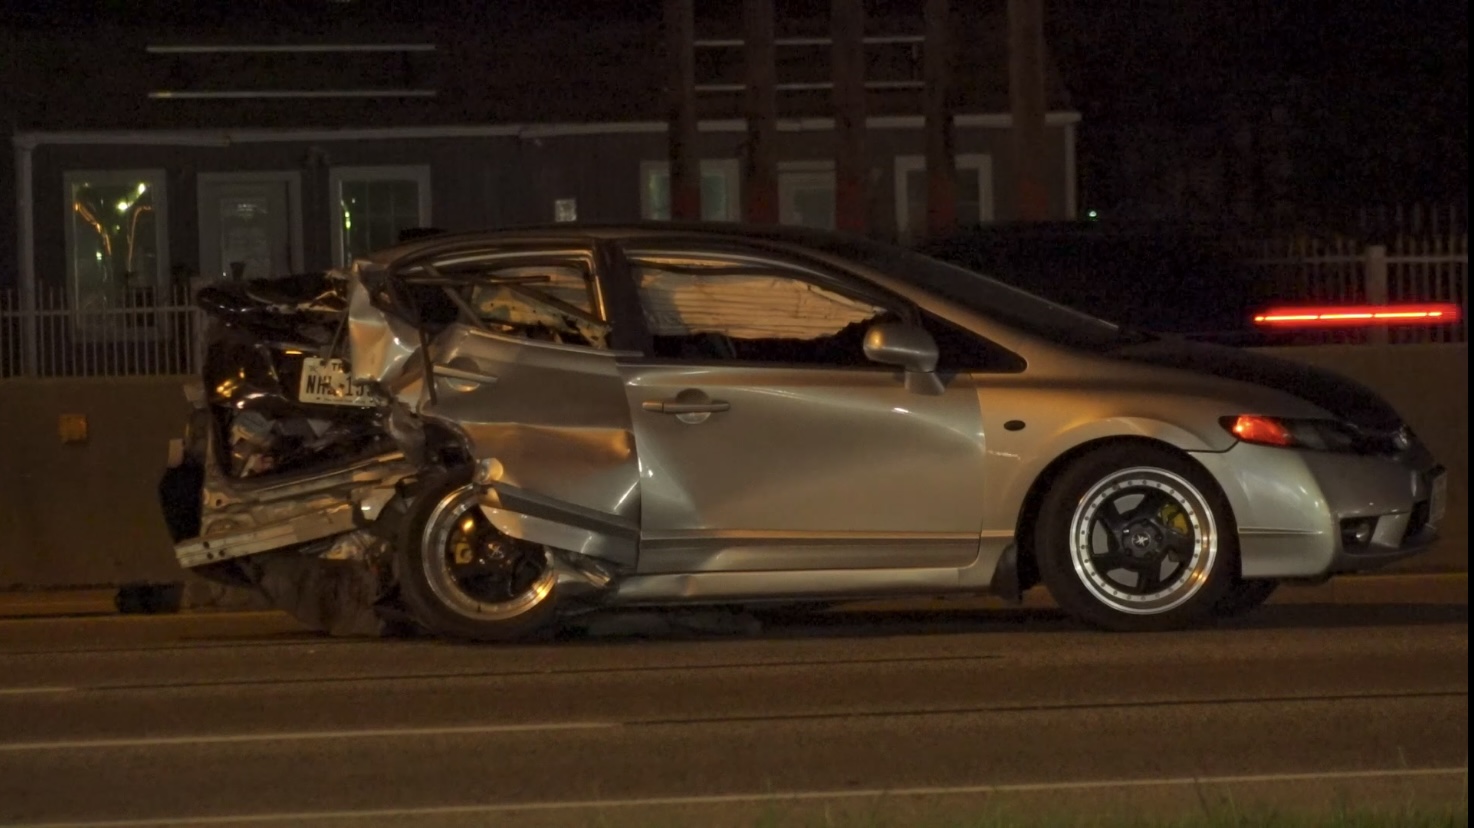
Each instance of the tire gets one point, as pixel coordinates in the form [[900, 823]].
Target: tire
[[1116, 516], [454, 596], [1243, 596]]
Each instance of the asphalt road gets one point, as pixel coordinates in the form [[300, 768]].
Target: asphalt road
[[1356, 692]]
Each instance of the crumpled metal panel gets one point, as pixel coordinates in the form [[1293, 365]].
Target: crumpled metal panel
[[241, 518], [553, 418], [379, 343]]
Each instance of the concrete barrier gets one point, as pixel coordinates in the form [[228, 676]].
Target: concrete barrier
[[86, 513], [75, 514]]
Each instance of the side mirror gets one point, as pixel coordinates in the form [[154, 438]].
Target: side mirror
[[909, 347]]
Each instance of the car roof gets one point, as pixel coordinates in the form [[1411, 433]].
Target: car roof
[[711, 231]]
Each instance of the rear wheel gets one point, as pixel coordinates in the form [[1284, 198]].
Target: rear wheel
[[1136, 537], [1244, 596], [463, 578]]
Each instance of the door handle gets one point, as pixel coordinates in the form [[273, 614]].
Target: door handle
[[678, 407]]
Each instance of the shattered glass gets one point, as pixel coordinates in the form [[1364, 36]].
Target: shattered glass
[[744, 305], [543, 302], [711, 310]]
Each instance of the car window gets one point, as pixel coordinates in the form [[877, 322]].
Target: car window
[[546, 299], [1015, 308], [959, 349], [707, 308]]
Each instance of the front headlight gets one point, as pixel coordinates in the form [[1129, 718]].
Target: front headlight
[[1286, 432]]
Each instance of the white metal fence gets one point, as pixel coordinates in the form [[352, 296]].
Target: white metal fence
[[1410, 268], [132, 333]]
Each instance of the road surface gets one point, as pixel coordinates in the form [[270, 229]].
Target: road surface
[[1355, 691]]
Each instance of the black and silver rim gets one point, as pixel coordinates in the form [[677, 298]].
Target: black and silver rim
[[1143, 541], [476, 570]]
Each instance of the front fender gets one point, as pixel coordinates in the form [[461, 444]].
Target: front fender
[[1015, 465]]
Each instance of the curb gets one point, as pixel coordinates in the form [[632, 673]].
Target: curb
[[201, 597]]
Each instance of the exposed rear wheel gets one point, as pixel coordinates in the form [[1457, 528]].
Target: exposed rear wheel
[[1135, 537], [463, 578]]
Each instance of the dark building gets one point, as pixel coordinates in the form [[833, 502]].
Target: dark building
[[146, 155]]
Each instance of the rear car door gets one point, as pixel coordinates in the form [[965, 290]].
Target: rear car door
[[525, 362]]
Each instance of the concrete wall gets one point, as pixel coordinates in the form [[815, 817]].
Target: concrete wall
[[88, 514]]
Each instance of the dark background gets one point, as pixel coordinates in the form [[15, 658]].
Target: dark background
[[1244, 110]]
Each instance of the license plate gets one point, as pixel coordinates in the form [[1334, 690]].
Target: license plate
[[326, 382], [1438, 502]]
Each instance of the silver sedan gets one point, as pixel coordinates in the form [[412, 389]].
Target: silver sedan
[[547, 421]]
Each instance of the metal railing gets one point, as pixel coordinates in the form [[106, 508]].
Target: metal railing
[[135, 332], [1409, 268], [154, 332]]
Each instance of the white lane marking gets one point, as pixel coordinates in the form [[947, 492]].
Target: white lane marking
[[26, 691], [297, 736], [738, 799]]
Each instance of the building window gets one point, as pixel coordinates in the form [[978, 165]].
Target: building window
[[974, 194], [116, 238], [806, 194], [373, 205], [720, 188]]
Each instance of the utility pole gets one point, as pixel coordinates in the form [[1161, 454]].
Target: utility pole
[[760, 172], [941, 174], [852, 171], [685, 166], [1027, 104]]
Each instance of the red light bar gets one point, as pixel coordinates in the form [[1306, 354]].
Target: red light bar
[[1359, 316]]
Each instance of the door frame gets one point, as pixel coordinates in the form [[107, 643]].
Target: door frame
[[293, 180]]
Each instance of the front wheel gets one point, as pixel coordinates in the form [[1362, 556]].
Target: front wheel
[[1136, 538], [463, 578]]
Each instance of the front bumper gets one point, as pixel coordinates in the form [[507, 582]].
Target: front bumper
[[1292, 508]]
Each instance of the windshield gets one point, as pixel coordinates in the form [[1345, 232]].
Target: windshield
[[1009, 305]]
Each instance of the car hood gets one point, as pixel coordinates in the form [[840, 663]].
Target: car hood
[[1342, 397]]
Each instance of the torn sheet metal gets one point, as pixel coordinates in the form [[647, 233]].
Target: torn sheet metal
[[556, 419], [321, 518], [240, 522], [379, 343], [550, 302], [509, 374], [305, 307]]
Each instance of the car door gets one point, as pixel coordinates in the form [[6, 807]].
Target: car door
[[526, 370], [768, 442]]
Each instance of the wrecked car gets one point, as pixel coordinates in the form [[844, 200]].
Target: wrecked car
[[478, 435]]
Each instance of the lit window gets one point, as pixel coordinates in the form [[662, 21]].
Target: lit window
[[374, 205], [116, 234]]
